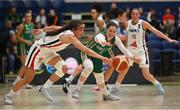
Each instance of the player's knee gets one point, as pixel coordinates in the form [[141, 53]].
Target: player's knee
[[79, 68], [88, 65], [64, 69], [61, 68]]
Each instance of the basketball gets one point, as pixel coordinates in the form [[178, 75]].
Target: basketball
[[120, 63]]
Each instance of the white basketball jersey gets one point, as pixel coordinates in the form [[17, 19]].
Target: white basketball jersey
[[136, 35], [95, 24], [53, 42]]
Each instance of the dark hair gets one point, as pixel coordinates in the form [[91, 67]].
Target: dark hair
[[111, 24], [97, 7], [134, 9], [120, 12], [72, 25], [27, 12]]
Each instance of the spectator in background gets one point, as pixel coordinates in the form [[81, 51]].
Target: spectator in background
[[112, 13], [7, 38], [11, 47], [13, 16], [52, 18], [168, 21], [128, 12], [151, 18], [141, 11], [178, 25], [41, 19], [121, 17]]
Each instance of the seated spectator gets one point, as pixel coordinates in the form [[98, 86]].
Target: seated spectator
[[168, 21], [52, 18], [7, 44], [41, 19], [152, 19], [112, 13], [178, 26], [13, 16], [141, 11]]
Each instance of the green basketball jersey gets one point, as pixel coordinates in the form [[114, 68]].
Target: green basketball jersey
[[99, 48], [28, 28]]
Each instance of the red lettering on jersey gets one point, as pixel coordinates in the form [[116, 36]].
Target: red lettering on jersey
[[134, 44]]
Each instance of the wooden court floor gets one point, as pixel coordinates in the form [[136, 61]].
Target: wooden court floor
[[142, 97]]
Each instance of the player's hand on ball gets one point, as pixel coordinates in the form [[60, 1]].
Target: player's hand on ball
[[107, 61], [136, 59]]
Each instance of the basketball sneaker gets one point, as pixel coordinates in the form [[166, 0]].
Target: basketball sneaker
[[45, 93], [28, 86], [66, 84], [159, 89], [8, 100], [75, 94], [110, 97], [113, 89]]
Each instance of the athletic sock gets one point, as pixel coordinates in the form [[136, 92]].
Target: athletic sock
[[48, 84], [71, 77], [79, 85], [117, 85], [104, 91], [11, 93], [156, 82]]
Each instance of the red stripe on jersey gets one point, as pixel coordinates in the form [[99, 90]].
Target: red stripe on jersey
[[53, 45]]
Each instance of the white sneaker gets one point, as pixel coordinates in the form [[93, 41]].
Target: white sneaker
[[8, 100], [28, 86], [113, 89], [75, 94], [110, 97], [45, 93], [159, 89]]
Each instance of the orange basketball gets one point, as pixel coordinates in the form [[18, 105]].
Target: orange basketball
[[120, 63]]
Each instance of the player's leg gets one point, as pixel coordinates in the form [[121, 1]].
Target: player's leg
[[28, 76], [88, 68], [144, 65], [101, 84], [57, 62], [148, 76], [67, 81], [21, 70]]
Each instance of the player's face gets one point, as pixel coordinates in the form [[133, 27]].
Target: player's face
[[94, 14], [79, 31], [111, 32], [135, 15], [28, 17], [124, 16]]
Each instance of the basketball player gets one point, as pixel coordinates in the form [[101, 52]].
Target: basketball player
[[101, 43], [44, 50], [136, 44], [25, 39], [99, 23]]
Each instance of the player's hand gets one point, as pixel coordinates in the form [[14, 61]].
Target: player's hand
[[106, 43], [173, 41], [29, 43], [136, 59], [107, 61]]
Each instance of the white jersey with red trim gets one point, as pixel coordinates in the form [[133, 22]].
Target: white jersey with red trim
[[136, 35], [53, 42]]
